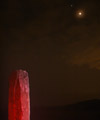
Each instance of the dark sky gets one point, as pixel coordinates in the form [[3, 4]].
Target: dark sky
[[59, 49]]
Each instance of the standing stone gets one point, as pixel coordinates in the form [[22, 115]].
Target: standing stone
[[19, 99]]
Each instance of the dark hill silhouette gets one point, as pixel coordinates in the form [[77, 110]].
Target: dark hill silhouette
[[92, 105], [86, 110]]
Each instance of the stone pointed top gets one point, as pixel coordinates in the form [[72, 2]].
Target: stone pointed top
[[22, 74]]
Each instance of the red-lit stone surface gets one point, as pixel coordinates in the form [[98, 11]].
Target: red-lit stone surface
[[19, 99]]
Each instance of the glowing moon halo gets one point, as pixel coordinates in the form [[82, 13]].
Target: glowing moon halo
[[80, 14]]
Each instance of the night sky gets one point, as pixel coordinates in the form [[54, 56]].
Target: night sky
[[58, 43]]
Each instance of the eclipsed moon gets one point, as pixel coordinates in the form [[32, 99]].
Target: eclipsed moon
[[80, 14]]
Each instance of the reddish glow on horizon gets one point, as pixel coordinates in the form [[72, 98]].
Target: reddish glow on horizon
[[19, 101]]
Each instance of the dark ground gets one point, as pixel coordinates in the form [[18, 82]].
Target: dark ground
[[86, 110]]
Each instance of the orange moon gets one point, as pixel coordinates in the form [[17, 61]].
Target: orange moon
[[80, 14]]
